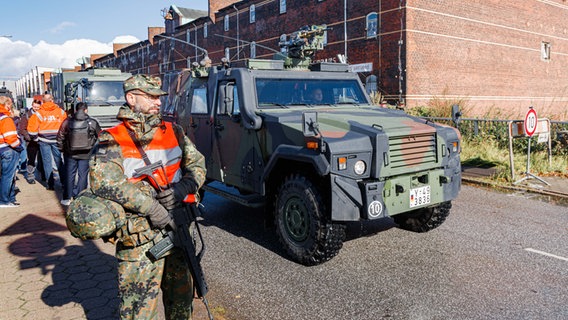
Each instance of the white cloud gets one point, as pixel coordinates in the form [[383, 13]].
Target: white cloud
[[60, 27], [18, 57], [125, 39]]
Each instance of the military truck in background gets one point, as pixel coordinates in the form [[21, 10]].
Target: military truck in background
[[101, 89], [5, 91], [315, 164]]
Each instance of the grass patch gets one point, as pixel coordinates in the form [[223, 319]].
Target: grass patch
[[485, 144]]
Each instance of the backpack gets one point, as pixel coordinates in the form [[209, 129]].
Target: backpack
[[82, 136]]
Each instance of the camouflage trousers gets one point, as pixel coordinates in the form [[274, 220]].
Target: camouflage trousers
[[139, 283]]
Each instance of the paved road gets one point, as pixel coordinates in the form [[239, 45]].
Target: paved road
[[499, 256]]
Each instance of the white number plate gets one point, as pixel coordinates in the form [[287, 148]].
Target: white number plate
[[419, 196]]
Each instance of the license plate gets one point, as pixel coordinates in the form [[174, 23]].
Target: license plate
[[419, 196]]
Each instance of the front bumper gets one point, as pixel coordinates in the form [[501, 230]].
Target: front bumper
[[374, 199]]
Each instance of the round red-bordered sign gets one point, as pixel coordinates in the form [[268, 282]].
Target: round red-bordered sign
[[531, 122]]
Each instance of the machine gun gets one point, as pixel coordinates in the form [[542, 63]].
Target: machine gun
[[179, 235], [302, 46]]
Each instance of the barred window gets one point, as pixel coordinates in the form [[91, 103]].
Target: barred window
[[372, 23], [252, 14]]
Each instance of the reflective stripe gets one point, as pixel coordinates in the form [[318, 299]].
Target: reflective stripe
[[10, 133], [163, 147], [47, 140]]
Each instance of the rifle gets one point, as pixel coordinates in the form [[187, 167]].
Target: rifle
[[179, 236]]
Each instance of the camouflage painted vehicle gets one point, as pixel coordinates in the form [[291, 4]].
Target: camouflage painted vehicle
[[316, 165]]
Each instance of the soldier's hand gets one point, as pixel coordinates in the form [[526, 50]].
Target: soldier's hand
[[159, 216], [167, 199]]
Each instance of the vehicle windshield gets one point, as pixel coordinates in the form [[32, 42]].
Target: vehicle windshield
[[103, 93], [289, 92]]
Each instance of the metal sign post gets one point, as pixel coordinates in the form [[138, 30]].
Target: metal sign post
[[530, 126]]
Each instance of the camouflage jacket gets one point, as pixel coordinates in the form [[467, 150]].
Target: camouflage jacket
[[107, 178]]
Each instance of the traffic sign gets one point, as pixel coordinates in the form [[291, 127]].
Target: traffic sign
[[531, 122]]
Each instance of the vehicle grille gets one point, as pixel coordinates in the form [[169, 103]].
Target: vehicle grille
[[412, 150]]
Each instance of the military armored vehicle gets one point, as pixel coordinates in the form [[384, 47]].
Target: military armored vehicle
[[304, 140], [101, 89]]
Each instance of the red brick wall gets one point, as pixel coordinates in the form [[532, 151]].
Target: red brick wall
[[483, 52], [488, 53]]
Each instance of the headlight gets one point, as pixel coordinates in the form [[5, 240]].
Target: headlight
[[359, 167]]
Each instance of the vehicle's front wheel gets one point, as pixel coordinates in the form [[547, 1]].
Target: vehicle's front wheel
[[425, 219], [302, 224]]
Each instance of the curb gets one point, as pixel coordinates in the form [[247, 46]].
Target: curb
[[495, 185]]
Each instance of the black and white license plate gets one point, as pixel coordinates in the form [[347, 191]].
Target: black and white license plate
[[419, 196]]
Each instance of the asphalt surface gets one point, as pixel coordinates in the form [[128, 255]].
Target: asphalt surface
[[48, 274]]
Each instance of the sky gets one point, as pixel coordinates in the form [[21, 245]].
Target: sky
[[56, 33]]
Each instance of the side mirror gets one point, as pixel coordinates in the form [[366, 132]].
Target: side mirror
[[456, 115], [70, 92], [310, 124]]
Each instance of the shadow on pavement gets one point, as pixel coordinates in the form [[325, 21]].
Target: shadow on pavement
[[82, 274]]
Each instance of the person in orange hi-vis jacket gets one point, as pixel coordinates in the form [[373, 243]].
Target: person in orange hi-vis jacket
[[43, 127], [10, 149]]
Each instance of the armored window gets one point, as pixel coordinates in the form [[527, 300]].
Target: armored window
[[252, 13], [372, 23], [282, 6], [253, 49], [226, 22], [199, 100], [187, 35], [545, 51], [205, 30]]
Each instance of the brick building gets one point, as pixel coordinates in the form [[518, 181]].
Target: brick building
[[506, 55]]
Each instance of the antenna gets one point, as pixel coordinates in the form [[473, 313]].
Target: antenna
[[247, 42], [191, 44]]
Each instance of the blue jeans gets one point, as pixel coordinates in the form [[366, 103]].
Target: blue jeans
[[9, 159], [75, 168], [23, 161], [47, 150]]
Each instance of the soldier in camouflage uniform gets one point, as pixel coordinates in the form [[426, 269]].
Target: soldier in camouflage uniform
[[111, 176]]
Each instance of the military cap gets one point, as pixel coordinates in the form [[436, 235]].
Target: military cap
[[148, 84]]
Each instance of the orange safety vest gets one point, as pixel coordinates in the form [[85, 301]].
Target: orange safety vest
[[163, 146], [46, 121], [8, 133]]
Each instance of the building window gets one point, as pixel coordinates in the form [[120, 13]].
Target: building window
[[282, 6], [545, 51], [187, 35], [372, 20], [252, 14], [226, 20], [205, 30], [253, 49]]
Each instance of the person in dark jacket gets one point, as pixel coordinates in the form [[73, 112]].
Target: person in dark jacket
[[76, 161], [32, 147]]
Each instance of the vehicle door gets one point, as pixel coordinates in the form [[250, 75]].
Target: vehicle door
[[233, 146], [193, 114]]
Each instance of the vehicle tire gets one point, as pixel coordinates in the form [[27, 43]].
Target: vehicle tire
[[302, 224], [425, 219]]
